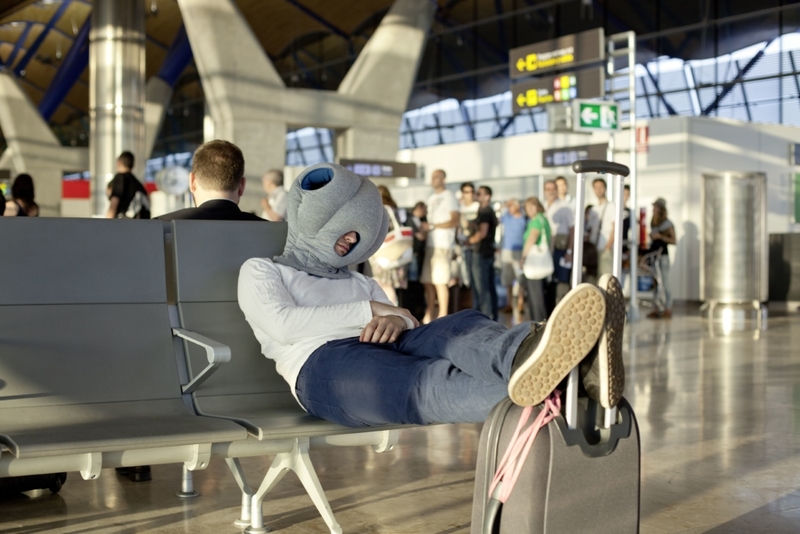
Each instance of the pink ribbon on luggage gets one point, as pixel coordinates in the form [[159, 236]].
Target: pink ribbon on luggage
[[520, 445]]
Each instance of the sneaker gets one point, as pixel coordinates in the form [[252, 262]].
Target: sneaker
[[603, 371], [553, 349]]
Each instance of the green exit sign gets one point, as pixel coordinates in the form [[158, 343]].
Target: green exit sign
[[593, 115]]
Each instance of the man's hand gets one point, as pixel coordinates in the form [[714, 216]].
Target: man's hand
[[379, 309], [383, 329]]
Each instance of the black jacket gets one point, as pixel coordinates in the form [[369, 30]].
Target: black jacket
[[214, 210]]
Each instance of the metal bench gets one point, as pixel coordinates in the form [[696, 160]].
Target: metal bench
[[88, 373], [207, 256]]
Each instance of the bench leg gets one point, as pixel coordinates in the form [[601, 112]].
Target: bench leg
[[298, 461], [247, 494], [187, 485]]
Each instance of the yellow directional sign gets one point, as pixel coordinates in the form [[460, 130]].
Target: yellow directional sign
[[536, 62], [553, 89], [565, 52]]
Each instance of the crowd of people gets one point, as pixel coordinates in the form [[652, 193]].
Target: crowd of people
[[462, 242]]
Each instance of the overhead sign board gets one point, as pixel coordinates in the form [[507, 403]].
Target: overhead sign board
[[557, 54], [554, 89], [380, 169], [560, 157], [595, 115]]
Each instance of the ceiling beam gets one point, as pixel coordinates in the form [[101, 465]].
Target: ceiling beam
[[31, 53], [317, 17]]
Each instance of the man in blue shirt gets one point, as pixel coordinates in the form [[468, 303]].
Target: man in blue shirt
[[513, 221]]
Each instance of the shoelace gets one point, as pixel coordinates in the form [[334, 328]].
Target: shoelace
[[520, 445]]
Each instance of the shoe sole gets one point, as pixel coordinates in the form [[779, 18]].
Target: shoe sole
[[570, 333], [612, 368]]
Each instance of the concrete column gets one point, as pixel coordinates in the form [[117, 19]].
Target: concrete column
[[249, 104], [243, 90], [157, 99], [383, 76], [117, 92], [33, 148]]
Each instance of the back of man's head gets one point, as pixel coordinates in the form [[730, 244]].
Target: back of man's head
[[218, 166], [126, 160]]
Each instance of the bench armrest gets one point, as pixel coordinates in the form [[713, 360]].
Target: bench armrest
[[216, 352]]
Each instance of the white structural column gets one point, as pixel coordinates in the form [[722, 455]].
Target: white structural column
[[116, 93], [244, 92], [249, 104], [380, 81], [157, 98], [33, 148]]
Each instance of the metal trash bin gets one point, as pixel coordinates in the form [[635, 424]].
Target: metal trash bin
[[734, 270]]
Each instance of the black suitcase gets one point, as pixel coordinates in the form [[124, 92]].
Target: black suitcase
[[13, 485], [582, 477]]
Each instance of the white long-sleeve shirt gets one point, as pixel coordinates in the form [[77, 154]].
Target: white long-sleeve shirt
[[293, 313]]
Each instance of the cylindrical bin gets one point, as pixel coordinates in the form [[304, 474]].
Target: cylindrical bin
[[734, 255]]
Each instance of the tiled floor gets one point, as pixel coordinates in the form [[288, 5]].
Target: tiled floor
[[719, 417]]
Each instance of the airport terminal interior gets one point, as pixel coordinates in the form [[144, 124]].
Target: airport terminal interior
[[138, 393]]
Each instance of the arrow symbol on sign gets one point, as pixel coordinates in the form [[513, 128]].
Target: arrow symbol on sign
[[521, 100], [520, 64], [588, 115]]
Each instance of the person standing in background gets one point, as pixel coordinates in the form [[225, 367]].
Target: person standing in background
[[563, 192], [662, 233], [414, 296], [394, 279], [22, 203], [127, 197], [484, 291], [561, 218], [538, 229], [274, 204], [443, 218], [626, 237], [514, 223], [602, 229], [468, 211]]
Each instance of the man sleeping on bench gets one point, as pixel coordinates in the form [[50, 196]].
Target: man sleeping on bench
[[353, 358]]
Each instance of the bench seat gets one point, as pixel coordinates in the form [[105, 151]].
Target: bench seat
[[53, 430]]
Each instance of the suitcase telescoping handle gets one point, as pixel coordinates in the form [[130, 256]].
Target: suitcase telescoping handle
[[601, 166], [619, 172]]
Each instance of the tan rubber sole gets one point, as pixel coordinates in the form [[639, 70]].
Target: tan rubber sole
[[570, 333], [612, 367]]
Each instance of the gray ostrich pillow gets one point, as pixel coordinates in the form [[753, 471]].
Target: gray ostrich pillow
[[326, 202]]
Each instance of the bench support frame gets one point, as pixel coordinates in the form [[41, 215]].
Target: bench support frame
[[298, 461]]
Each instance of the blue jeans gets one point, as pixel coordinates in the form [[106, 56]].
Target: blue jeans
[[466, 270], [453, 370], [484, 291]]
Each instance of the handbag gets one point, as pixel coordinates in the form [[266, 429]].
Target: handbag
[[539, 262], [397, 249]]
